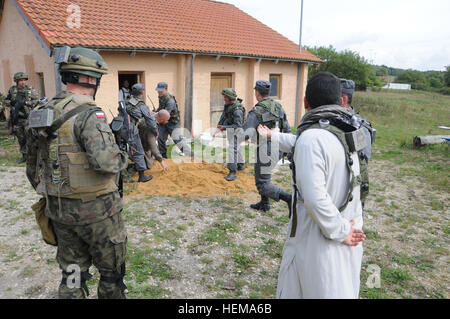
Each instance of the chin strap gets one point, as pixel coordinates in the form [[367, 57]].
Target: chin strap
[[74, 79]]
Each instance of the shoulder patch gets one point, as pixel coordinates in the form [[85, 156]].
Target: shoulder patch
[[100, 115]]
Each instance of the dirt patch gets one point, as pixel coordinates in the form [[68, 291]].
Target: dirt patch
[[195, 179]]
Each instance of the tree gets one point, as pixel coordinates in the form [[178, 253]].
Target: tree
[[447, 76], [416, 78], [381, 70], [346, 64]]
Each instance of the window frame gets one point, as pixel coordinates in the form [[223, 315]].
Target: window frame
[[278, 90]]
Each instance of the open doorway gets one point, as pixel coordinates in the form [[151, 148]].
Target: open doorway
[[131, 77]]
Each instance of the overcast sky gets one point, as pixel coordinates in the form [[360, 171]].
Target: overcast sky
[[398, 33]]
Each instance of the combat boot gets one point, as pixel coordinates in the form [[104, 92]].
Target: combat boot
[[22, 160], [231, 176], [285, 197], [143, 178], [288, 199], [263, 205]]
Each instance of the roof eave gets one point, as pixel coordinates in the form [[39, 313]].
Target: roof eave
[[210, 53]]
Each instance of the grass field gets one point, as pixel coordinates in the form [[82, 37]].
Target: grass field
[[399, 117], [219, 248], [408, 210]]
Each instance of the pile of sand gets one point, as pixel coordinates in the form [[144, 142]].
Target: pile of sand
[[195, 179]]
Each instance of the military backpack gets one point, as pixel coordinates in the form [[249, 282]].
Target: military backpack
[[353, 140], [269, 113], [229, 111]]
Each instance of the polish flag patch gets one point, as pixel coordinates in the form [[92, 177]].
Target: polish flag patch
[[100, 115]]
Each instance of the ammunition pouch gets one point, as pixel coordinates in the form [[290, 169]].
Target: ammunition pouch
[[41, 118], [44, 223]]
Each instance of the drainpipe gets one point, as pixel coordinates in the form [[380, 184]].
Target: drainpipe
[[188, 110], [297, 98]]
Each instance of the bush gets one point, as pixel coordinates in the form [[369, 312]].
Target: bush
[[445, 91]]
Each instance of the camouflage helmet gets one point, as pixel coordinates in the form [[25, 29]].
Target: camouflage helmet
[[84, 61], [231, 93], [137, 89], [20, 76]]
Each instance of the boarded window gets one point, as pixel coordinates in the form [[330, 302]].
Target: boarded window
[[7, 77], [275, 80], [41, 84], [218, 83]]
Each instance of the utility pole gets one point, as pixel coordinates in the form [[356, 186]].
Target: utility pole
[[301, 26]]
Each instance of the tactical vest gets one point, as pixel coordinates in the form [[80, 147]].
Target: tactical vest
[[229, 112], [64, 169], [352, 142], [175, 114], [269, 113], [132, 104], [25, 95]]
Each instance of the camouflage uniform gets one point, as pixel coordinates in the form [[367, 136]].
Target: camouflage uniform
[[21, 101], [140, 116], [348, 88], [233, 118], [77, 172], [271, 114], [168, 103], [2, 107]]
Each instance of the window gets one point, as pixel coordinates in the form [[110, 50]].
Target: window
[[275, 80]]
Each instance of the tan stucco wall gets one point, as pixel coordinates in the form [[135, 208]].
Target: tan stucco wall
[[17, 41], [288, 88], [204, 66], [245, 74], [155, 68]]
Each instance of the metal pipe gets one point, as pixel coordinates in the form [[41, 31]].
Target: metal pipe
[[301, 26]]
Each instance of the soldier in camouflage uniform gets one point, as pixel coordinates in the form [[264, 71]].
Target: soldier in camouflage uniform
[[2, 108], [168, 102], [270, 113], [21, 99], [74, 164], [233, 117], [348, 89], [139, 115]]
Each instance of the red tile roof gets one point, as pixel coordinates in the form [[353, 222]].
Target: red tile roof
[[200, 26]]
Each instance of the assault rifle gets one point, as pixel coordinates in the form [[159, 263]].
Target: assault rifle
[[121, 127], [154, 108]]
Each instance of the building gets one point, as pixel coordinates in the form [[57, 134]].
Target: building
[[198, 46]]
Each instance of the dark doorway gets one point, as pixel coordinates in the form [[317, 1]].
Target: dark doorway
[[132, 77]]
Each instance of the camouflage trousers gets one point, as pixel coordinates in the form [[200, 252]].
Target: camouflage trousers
[[102, 244], [20, 133]]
